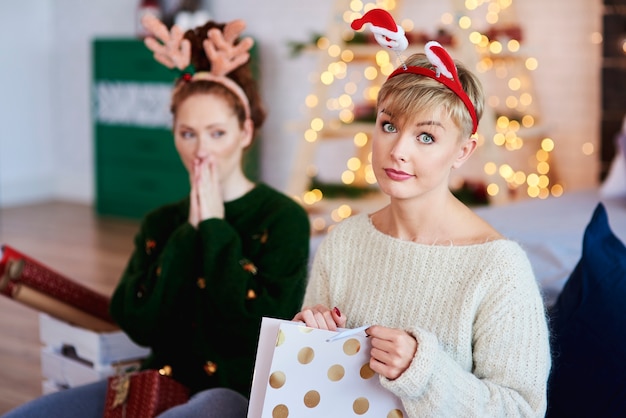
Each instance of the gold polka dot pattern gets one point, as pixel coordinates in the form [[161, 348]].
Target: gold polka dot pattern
[[280, 411], [306, 355], [351, 346], [277, 380], [312, 399], [310, 375], [336, 372], [360, 406], [366, 371]]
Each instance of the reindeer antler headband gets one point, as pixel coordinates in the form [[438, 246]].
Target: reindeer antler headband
[[391, 36], [172, 50]]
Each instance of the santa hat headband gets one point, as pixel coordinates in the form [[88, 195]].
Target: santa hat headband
[[391, 36], [445, 72], [172, 50], [386, 32]]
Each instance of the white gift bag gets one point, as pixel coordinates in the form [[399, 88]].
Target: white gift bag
[[299, 374]]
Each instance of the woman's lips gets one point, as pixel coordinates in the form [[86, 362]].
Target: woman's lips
[[397, 175]]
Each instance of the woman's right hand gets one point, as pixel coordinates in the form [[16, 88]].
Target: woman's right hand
[[205, 199], [319, 316], [194, 197], [211, 202], [194, 207]]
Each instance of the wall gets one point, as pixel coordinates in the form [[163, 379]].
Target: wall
[[75, 24], [568, 80], [46, 140], [285, 82], [26, 160]]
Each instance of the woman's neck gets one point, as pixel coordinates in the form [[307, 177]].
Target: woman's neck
[[446, 221], [418, 220]]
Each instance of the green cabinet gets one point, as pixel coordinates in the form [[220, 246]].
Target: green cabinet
[[137, 168]]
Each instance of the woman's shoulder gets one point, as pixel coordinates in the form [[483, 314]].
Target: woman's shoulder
[[169, 213], [505, 259], [275, 200], [504, 247], [169, 209], [355, 225], [271, 193], [469, 228]]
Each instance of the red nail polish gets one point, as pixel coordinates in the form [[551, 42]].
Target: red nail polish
[[337, 312]]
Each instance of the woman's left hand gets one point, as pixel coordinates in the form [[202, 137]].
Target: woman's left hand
[[321, 317], [211, 202], [392, 350]]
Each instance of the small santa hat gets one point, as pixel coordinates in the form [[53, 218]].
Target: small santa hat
[[381, 23], [443, 62]]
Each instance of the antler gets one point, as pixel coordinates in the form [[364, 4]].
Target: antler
[[221, 50], [170, 49]]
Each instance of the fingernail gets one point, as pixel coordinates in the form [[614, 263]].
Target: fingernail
[[337, 312]]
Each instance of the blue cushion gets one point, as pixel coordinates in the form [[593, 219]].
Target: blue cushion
[[588, 324]]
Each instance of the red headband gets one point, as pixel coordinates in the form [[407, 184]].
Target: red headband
[[446, 74], [391, 36]]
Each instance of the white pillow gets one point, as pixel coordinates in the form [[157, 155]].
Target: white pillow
[[614, 185]]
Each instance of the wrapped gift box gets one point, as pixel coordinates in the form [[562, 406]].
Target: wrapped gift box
[[34, 284]]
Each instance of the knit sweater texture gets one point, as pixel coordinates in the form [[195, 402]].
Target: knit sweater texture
[[196, 296], [475, 311]]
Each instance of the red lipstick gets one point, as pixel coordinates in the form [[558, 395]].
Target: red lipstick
[[397, 175]]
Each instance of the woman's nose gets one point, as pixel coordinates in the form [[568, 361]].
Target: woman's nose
[[202, 148], [399, 150]]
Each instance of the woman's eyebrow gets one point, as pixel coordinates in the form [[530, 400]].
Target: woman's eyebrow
[[431, 123], [418, 124]]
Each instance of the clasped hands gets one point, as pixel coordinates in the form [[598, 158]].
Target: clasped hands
[[392, 349], [205, 199]]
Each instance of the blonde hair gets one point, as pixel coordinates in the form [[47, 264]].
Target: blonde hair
[[408, 94]]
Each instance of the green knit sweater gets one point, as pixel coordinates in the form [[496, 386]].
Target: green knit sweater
[[196, 296]]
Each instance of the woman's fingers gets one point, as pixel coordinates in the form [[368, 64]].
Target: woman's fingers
[[338, 317], [211, 196], [194, 209], [318, 316], [392, 350]]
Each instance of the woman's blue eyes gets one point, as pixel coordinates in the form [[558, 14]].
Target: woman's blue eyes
[[187, 134], [191, 135], [388, 127], [424, 138]]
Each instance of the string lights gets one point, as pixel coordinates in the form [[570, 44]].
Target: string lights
[[355, 78]]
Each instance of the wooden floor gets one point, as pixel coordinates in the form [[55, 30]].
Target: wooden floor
[[72, 240]]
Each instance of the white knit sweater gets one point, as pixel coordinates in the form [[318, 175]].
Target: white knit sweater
[[475, 311]]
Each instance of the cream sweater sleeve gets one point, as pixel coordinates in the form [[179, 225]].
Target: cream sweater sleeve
[[318, 287], [510, 351]]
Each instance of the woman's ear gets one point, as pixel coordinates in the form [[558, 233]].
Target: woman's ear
[[247, 133], [467, 149]]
